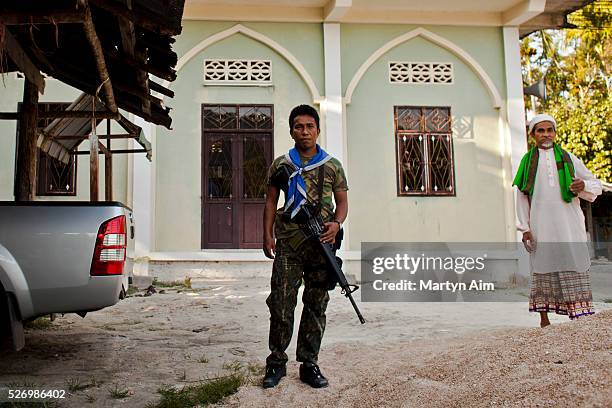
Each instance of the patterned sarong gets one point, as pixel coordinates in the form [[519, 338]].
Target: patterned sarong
[[565, 293]]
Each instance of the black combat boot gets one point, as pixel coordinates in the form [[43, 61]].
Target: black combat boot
[[310, 373], [273, 375]]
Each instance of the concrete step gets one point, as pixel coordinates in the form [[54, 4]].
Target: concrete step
[[169, 271]]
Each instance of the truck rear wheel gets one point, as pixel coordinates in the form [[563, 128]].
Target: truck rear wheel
[[5, 326], [122, 294], [11, 327]]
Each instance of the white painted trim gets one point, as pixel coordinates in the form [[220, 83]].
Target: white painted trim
[[516, 141], [523, 12], [506, 177], [438, 40], [366, 14], [255, 12], [256, 255], [236, 255], [335, 10], [332, 109], [228, 255], [515, 104], [143, 193], [347, 232], [239, 28]]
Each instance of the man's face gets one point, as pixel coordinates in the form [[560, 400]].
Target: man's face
[[544, 134], [305, 132]]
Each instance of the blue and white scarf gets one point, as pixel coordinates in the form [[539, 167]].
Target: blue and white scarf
[[296, 190]]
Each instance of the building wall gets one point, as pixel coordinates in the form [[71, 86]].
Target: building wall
[[477, 212], [481, 193], [179, 152], [376, 213], [11, 91]]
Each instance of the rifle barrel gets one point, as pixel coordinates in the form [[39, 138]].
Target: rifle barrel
[[331, 260], [361, 319]]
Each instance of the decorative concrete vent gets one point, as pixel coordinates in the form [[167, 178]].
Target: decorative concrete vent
[[237, 72], [421, 72]]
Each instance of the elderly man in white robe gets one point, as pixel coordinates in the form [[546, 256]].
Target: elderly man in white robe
[[551, 182]]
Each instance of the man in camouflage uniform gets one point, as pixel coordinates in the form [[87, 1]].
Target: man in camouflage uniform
[[295, 257]]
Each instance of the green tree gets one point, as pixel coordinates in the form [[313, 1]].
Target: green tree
[[577, 64]]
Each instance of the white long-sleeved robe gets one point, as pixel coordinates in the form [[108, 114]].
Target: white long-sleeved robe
[[557, 226]]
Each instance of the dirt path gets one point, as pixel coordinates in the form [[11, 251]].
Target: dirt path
[[407, 354]]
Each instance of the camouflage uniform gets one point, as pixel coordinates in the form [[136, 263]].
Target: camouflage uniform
[[297, 259]]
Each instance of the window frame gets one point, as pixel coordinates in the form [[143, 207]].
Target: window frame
[[42, 175], [426, 157], [41, 188], [42, 172]]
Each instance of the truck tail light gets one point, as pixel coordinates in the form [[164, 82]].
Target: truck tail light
[[109, 253]]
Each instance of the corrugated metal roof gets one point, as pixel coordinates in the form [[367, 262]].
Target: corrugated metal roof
[[61, 149]]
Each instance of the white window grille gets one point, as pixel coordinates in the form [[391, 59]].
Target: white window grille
[[237, 72], [421, 72]]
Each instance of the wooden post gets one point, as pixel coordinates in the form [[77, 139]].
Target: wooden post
[[93, 163], [25, 177], [108, 173], [108, 165], [96, 47]]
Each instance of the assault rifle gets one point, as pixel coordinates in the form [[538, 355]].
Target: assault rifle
[[311, 222], [313, 227]]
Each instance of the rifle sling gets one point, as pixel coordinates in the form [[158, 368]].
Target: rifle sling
[[320, 187]]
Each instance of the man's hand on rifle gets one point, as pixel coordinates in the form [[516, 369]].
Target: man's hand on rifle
[[331, 228], [329, 233]]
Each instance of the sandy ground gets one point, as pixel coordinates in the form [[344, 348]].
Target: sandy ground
[[408, 354], [555, 367]]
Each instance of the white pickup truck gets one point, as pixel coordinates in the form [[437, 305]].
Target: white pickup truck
[[60, 257]]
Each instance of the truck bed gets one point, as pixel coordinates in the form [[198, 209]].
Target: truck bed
[[52, 244]]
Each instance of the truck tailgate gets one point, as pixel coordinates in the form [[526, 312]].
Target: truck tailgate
[[53, 242]]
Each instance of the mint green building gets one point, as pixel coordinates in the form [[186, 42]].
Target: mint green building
[[421, 101]]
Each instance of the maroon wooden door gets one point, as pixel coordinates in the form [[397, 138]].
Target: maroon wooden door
[[219, 191], [236, 156]]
